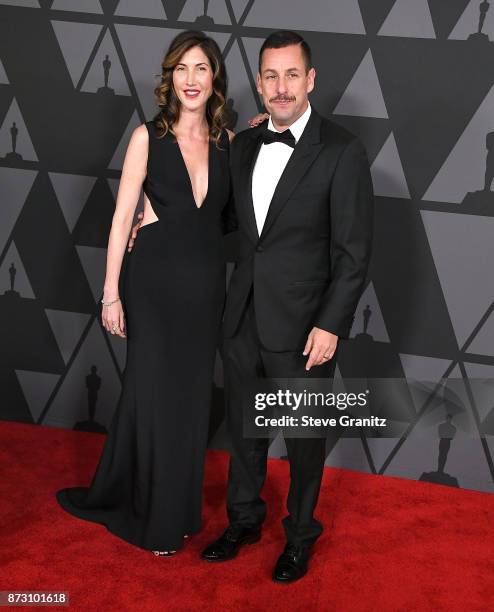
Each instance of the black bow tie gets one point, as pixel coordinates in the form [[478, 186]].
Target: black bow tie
[[286, 137]]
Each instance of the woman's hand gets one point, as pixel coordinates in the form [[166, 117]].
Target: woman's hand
[[258, 119], [112, 318]]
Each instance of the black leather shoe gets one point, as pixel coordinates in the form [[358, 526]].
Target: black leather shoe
[[292, 563], [227, 545]]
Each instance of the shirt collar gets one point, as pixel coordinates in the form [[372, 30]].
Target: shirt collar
[[297, 126]]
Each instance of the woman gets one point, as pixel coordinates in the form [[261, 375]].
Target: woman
[[148, 484]]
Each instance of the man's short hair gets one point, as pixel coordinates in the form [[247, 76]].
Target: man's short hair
[[285, 38]]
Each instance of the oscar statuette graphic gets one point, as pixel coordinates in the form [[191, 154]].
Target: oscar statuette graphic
[[482, 201], [479, 36], [205, 20], [12, 273], [93, 385], [446, 432], [13, 156], [106, 90]]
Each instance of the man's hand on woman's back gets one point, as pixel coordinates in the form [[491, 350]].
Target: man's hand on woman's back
[[133, 233]]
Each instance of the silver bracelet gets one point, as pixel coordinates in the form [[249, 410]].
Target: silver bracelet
[[109, 303]]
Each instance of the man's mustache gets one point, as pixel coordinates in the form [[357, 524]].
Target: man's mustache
[[283, 99]]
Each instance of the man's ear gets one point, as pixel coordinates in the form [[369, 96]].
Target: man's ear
[[258, 84], [311, 77]]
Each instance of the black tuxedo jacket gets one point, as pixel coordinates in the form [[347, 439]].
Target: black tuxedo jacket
[[308, 267]]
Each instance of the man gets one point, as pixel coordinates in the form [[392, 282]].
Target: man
[[303, 205]]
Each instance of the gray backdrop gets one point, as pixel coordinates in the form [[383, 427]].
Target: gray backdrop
[[412, 78]]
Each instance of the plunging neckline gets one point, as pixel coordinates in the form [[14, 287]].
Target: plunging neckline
[[188, 174]]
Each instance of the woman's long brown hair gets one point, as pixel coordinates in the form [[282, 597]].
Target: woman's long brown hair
[[166, 97]]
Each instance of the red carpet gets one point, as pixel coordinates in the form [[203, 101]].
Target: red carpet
[[389, 543]]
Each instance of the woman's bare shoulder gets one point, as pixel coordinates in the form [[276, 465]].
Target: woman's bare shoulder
[[139, 139], [137, 149], [141, 133], [231, 135]]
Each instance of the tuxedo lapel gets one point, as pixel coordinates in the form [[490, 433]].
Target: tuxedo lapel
[[248, 159], [305, 152]]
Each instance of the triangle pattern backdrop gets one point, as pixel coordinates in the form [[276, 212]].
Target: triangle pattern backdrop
[[413, 80]]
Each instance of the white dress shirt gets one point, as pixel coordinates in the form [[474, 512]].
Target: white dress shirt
[[270, 163]]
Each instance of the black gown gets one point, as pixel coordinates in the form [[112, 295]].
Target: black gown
[[147, 488]]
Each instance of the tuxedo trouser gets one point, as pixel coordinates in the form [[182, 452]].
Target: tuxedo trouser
[[245, 359]]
